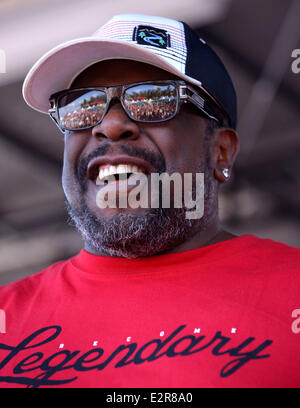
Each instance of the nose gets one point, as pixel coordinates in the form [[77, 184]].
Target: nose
[[116, 125]]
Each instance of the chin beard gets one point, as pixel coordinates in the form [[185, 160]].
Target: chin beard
[[131, 236]]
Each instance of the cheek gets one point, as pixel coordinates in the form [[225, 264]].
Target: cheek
[[182, 144], [68, 181], [74, 146]]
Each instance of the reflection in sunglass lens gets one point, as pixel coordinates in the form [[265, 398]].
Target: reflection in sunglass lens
[[152, 103], [80, 109]]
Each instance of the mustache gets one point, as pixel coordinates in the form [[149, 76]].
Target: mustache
[[155, 159]]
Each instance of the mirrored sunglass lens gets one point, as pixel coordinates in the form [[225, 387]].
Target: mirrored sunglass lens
[[151, 102], [80, 109]]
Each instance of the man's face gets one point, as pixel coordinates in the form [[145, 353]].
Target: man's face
[[177, 145]]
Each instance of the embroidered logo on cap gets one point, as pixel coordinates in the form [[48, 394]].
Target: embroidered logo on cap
[[148, 35]]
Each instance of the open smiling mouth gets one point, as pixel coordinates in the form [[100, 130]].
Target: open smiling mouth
[[116, 169], [120, 181], [117, 181], [115, 173]]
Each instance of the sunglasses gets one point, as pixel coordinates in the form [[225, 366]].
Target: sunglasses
[[147, 102]]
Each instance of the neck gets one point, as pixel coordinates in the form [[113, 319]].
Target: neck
[[212, 235]]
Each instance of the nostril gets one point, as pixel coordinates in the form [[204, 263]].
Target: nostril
[[99, 135], [127, 134]]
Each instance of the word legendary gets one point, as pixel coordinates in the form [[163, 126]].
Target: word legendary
[[17, 359]]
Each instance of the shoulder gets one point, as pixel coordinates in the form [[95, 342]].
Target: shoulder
[[276, 266], [270, 251], [264, 263], [30, 285], [278, 252]]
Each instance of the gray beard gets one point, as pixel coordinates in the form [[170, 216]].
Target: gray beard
[[131, 236]]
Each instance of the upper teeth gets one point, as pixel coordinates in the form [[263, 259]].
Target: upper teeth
[[107, 170]]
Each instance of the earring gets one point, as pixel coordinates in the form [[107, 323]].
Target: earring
[[225, 173]]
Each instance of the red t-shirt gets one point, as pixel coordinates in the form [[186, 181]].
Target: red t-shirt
[[216, 316]]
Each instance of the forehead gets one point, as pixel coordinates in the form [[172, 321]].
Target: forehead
[[117, 72]]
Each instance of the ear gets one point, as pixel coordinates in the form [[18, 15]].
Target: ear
[[225, 150]]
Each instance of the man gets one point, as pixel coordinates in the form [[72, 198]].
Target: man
[[160, 296]]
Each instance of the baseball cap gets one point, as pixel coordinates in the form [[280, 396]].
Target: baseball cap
[[165, 43]]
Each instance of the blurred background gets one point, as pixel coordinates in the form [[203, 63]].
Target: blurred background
[[254, 39]]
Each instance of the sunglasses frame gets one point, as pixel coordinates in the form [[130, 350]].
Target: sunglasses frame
[[184, 93]]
